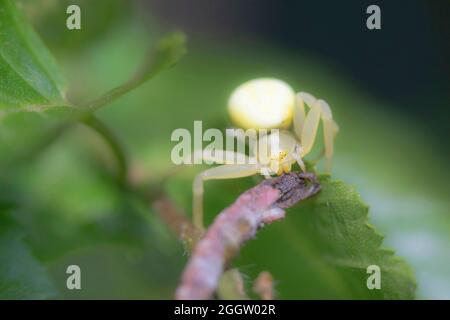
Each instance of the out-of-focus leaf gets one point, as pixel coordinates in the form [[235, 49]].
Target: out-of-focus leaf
[[31, 88], [112, 271], [29, 75], [21, 275], [30, 84]]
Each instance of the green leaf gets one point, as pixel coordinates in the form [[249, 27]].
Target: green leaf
[[30, 79], [163, 55], [31, 87], [351, 244], [329, 244], [21, 275]]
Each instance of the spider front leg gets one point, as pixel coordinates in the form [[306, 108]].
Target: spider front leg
[[306, 126], [227, 171], [330, 129]]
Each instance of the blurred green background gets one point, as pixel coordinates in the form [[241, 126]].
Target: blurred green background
[[393, 143]]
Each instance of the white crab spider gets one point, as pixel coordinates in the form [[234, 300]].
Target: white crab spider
[[265, 104]]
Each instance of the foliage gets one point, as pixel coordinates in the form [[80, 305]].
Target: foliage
[[21, 275], [330, 238], [60, 203]]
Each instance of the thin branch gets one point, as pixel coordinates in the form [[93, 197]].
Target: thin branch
[[235, 225], [164, 54], [177, 221]]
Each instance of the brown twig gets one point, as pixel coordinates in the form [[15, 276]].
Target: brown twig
[[177, 221], [235, 225]]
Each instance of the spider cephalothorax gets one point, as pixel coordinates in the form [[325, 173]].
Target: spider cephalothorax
[[269, 104]]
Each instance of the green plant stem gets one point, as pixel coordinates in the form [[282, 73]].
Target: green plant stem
[[116, 147], [111, 95], [164, 54]]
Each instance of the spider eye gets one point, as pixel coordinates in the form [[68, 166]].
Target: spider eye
[[262, 104]]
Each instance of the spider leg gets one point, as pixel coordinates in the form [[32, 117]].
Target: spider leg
[[220, 172], [266, 172], [330, 130], [310, 126], [297, 157], [299, 111], [299, 115], [319, 109]]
